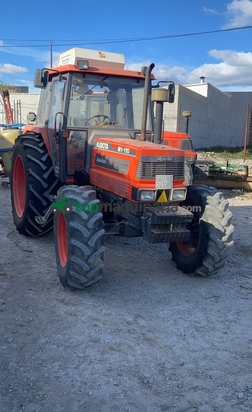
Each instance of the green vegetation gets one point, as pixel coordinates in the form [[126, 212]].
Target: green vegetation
[[236, 152], [6, 86]]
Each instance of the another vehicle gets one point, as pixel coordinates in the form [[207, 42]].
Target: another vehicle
[[181, 141], [107, 154], [7, 107], [7, 140]]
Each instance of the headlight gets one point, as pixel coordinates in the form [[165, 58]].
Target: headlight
[[147, 195], [178, 194]]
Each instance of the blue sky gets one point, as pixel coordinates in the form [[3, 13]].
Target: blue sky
[[224, 58]]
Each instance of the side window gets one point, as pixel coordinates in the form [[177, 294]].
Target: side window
[[44, 104], [186, 144], [57, 97], [79, 103]]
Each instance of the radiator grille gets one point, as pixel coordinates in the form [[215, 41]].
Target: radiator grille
[[149, 169]]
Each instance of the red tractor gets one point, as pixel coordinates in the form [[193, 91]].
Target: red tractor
[[93, 159], [181, 141]]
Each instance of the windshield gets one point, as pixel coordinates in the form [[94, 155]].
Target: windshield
[[106, 101]]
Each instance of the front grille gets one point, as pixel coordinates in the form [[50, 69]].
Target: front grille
[[149, 169]]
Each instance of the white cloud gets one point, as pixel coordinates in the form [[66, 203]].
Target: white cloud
[[209, 11], [232, 57], [239, 13], [12, 69], [177, 74], [234, 69], [233, 72]]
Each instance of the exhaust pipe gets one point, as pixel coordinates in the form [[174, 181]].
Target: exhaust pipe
[[147, 73]]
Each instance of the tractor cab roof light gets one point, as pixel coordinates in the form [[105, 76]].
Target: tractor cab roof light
[[83, 64]]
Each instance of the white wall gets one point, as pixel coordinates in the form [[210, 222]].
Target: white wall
[[21, 104], [217, 118]]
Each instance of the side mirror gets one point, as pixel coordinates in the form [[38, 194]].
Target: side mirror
[[170, 89], [31, 117], [41, 78], [159, 95], [58, 123]]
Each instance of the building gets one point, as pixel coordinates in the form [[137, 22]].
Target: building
[[218, 118], [21, 104]]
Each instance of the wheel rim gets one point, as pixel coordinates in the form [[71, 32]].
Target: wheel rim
[[19, 186], [188, 248], [62, 239]]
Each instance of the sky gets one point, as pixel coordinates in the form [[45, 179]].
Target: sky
[[185, 39]]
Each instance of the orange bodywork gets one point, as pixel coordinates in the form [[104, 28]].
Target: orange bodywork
[[40, 130], [175, 139], [116, 162], [70, 68], [109, 155]]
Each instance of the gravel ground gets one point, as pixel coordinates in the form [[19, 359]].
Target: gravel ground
[[148, 338]]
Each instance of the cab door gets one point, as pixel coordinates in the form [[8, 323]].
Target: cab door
[[57, 108]]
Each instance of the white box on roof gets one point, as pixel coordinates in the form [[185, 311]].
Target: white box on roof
[[96, 58]]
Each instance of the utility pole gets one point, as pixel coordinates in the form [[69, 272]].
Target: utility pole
[[51, 63]]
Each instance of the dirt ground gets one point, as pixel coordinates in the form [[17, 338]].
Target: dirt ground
[[148, 338]]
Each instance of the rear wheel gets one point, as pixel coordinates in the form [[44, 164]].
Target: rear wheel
[[205, 252], [32, 180], [78, 238]]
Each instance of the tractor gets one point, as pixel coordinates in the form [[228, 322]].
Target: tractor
[[93, 161]]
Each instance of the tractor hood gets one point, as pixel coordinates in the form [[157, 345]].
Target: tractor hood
[[120, 164]]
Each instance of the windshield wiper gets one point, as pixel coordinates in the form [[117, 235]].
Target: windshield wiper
[[91, 88]]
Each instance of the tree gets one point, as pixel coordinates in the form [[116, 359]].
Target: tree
[[6, 86]]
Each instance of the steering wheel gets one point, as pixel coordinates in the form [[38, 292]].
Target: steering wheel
[[102, 118]]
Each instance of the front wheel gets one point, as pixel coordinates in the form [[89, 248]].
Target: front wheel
[[210, 241], [78, 235]]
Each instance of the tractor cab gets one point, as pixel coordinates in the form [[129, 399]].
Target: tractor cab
[[82, 99]]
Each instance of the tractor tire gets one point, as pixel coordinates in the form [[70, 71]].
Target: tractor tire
[[211, 235], [78, 238], [32, 180]]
